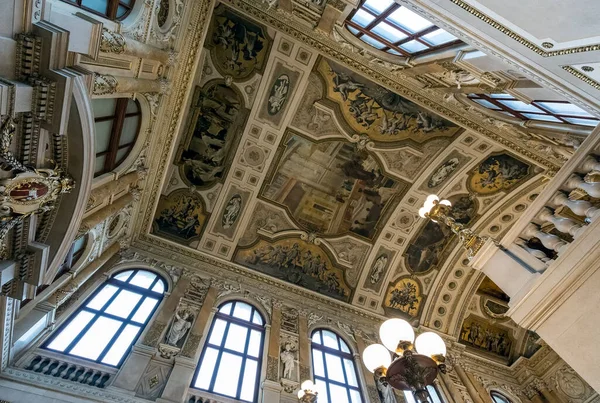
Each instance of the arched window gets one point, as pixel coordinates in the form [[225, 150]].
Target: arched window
[[434, 395], [117, 122], [333, 369], [498, 397], [392, 28], [547, 111], [111, 9], [107, 324], [230, 362]]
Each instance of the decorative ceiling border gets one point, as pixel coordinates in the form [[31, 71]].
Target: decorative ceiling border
[[583, 77], [525, 42], [328, 47]]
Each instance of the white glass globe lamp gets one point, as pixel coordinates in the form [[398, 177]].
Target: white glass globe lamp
[[394, 331], [376, 356], [430, 344]]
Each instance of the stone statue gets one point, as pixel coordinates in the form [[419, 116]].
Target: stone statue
[[385, 391], [181, 324], [288, 357]]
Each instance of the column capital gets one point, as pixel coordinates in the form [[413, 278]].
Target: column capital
[[112, 42]]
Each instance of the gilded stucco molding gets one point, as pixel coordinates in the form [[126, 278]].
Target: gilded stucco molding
[[583, 77]]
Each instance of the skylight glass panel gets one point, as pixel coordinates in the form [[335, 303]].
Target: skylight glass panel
[[386, 31], [363, 18], [353, 30], [487, 104], [373, 42], [439, 37], [500, 96], [394, 52], [583, 122], [545, 118], [561, 108], [521, 106], [409, 20], [413, 46], [378, 6]]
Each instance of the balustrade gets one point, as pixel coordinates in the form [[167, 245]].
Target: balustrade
[[68, 371]]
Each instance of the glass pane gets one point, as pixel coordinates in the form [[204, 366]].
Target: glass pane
[[334, 368], [99, 164], [79, 244], [378, 6], [102, 139], [226, 309], [344, 346], [249, 380], [206, 369], [102, 297], [96, 338], [144, 310], [439, 37], [257, 319], [498, 96], [339, 394], [486, 104], [386, 31], [236, 338], [362, 18], [130, 129], [373, 42], [409, 20], [124, 276], [318, 363], [159, 287], [350, 373], [330, 340], [322, 389], [413, 46], [124, 341], [394, 52], [564, 109], [408, 396], [122, 154], [353, 30], [143, 279], [545, 118], [66, 336], [96, 5], [228, 375], [355, 396], [254, 344], [521, 106], [316, 338], [121, 11], [217, 332], [132, 106], [104, 107], [584, 122], [433, 394], [242, 311], [123, 304]]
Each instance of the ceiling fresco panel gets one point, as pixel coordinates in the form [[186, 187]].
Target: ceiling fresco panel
[[180, 216]]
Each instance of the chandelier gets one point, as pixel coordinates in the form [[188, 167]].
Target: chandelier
[[308, 392], [415, 363]]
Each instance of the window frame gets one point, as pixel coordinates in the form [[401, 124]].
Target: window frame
[[121, 285], [118, 119], [395, 46], [229, 319], [112, 7], [502, 108], [435, 388], [502, 396], [342, 355]]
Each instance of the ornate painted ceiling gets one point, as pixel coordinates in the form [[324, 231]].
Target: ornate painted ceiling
[[306, 161]]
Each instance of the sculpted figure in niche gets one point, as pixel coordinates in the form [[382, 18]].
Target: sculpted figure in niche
[[385, 391], [179, 328], [378, 268], [288, 356]]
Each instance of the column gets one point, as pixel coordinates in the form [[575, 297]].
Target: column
[[303, 345], [464, 378], [271, 387], [113, 42], [103, 192], [185, 364], [361, 344], [94, 219], [106, 84]]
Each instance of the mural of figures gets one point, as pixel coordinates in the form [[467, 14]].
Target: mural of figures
[[276, 101], [485, 336], [379, 269], [532, 344], [496, 173], [381, 114], [331, 187], [181, 215], [405, 296], [238, 46], [443, 173], [217, 116], [298, 262], [426, 250]]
